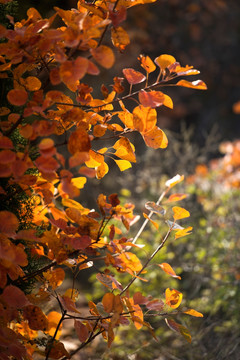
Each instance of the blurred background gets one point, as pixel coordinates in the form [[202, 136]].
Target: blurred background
[[205, 34]]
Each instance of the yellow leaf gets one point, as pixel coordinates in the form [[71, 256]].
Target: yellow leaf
[[183, 232], [123, 164], [168, 101], [79, 182], [180, 213], [153, 222], [163, 61], [102, 170]]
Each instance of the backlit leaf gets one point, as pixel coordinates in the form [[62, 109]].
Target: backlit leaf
[[163, 61], [193, 312], [151, 98], [152, 222], [32, 83], [54, 277], [176, 197], [133, 76], [144, 119], [173, 298], [104, 56], [183, 232], [168, 101], [156, 138], [79, 182], [147, 63], [180, 213], [108, 302], [79, 141], [120, 38], [169, 270], [123, 164], [197, 84], [175, 180], [53, 321]]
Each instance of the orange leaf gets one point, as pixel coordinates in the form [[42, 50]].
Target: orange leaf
[[169, 270], [197, 84], [168, 101], [5, 143], [155, 138], [180, 213], [53, 321], [124, 149], [144, 118], [55, 277], [32, 83], [36, 318], [17, 97], [79, 141], [151, 99], [133, 76], [104, 56], [102, 170], [152, 222], [147, 63], [108, 302], [176, 197], [193, 312], [120, 38], [173, 298], [163, 61]]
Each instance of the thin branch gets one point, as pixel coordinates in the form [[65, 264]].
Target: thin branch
[[55, 334], [15, 125], [148, 261]]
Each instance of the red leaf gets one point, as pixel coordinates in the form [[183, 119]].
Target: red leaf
[[133, 76], [17, 97]]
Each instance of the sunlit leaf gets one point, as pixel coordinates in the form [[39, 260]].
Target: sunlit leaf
[[120, 38], [163, 61], [79, 141], [175, 180], [147, 63], [123, 164], [180, 213], [53, 321], [173, 298], [108, 302], [176, 197], [183, 232], [133, 76], [104, 56], [156, 138], [79, 182], [55, 277], [151, 98], [169, 270], [193, 312], [152, 222], [197, 84]]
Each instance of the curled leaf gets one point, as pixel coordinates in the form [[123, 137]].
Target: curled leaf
[[197, 84], [169, 270], [152, 206]]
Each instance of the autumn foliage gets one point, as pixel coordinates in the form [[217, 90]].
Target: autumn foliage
[[53, 110]]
